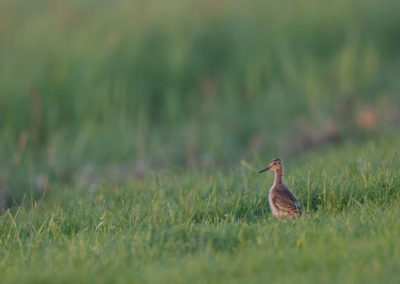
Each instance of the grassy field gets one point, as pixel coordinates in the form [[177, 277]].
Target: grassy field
[[192, 83], [131, 133], [216, 226]]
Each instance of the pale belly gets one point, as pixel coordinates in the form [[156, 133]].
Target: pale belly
[[274, 209]]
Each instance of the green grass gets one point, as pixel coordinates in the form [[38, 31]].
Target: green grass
[[216, 226], [190, 83], [131, 133]]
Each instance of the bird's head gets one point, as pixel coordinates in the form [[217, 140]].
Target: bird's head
[[274, 165]]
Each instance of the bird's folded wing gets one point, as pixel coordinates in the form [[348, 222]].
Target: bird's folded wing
[[287, 202]]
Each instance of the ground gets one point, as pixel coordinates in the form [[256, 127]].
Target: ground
[[216, 226], [132, 133]]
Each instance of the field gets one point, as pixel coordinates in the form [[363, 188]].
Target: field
[[216, 226], [131, 133]]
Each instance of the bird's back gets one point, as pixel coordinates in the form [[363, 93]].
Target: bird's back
[[283, 202]]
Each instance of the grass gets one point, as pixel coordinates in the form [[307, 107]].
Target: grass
[[216, 226], [193, 83], [131, 133]]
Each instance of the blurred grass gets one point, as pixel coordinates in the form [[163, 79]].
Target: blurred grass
[[130, 132], [193, 83]]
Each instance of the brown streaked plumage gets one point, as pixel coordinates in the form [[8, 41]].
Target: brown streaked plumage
[[282, 201]]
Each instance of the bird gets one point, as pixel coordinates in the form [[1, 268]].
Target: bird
[[282, 200]]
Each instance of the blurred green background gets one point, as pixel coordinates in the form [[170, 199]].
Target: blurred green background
[[136, 86]]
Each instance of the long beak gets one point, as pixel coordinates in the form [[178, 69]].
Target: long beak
[[264, 170]]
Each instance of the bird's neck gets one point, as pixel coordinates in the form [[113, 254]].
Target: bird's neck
[[278, 176]]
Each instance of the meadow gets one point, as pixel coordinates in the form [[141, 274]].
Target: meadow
[[131, 133], [216, 226]]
